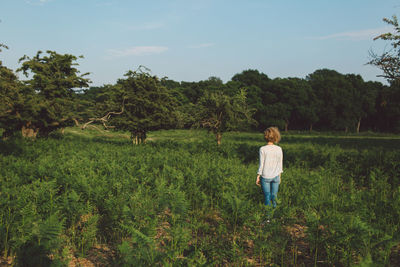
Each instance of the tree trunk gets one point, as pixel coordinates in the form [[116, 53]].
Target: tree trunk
[[138, 137], [62, 130], [134, 138], [286, 126], [218, 137], [358, 125], [143, 137], [346, 129], [311, 127], [29, 131]]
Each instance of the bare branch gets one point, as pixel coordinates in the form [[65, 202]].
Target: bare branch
[[105, 118], [76, 122]]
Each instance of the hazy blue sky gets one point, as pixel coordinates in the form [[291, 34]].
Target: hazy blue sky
[[191, 40]]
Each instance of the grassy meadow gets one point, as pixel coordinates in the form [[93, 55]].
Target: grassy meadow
[[179, 200]]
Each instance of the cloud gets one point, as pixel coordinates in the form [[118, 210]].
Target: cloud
[[137, 51], [202, 45], [367, 34]]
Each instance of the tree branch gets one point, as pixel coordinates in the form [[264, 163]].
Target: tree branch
[[104, 119]]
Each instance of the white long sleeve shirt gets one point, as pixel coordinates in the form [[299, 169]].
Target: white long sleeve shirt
[[271, 157]]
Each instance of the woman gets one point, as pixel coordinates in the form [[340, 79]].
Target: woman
[[269, 172]]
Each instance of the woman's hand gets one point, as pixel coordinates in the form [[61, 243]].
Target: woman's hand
[[258, 180]]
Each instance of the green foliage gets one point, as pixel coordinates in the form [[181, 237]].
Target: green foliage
[[334, 93], [50, 99], [252, 77], [148, 105], [53, 78], [96, 102], [179, 200], [389, 61], [293, 101], [220, 113], [3, 46], [16, 102]]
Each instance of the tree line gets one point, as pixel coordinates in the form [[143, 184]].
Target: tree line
[[55, 95]]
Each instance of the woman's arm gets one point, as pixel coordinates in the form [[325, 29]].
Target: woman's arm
[[281, 166], [260, 168]]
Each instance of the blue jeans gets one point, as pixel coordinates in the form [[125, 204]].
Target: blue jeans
[[270, 187]]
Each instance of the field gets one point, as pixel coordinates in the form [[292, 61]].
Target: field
[[179, 200]]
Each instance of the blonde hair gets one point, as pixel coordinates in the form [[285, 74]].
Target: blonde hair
[[272, 134]]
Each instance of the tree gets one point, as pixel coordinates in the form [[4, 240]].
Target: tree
[[363, 98], [53, 79], [293, 103], [336, 98], [148, 105], [4, 46], [98, 104], [185, 110], [18, 103], [308, 111], [256, 85], [388, 108], [220, 113], [372, 106], [194, 90], [252, 77], [14, 102], [389, 63]]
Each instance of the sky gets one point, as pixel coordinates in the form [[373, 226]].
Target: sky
[[192, 40]]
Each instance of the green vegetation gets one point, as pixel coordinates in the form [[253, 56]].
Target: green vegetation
[[389, 61], [147, 105], [221, 113], [324, 100], [181, 200]]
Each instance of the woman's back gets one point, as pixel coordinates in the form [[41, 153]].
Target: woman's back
[[271, 157]]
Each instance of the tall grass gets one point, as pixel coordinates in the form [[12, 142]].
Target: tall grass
[[181, 200]]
